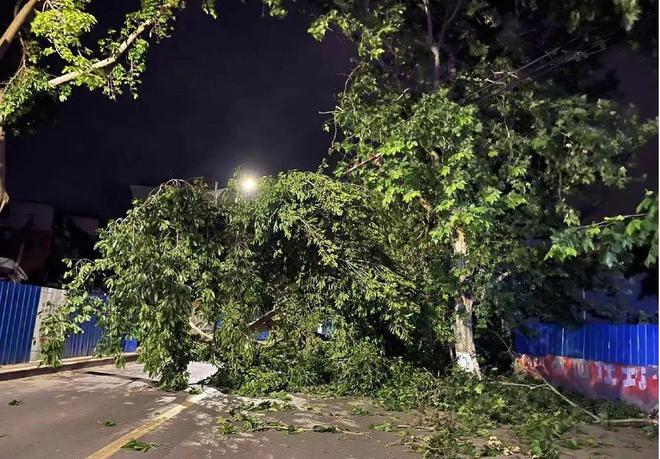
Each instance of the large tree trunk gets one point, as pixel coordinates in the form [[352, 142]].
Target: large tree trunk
[[466, 352]]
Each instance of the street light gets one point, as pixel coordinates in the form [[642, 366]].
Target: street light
[[248, 184]]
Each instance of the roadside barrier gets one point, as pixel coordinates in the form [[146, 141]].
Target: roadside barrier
[[610, 361], [20, 307]]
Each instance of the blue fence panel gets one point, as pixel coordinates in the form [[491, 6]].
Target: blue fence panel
[[574, 342], [18, 312], [83, 344], [616, 343], [130, 345]]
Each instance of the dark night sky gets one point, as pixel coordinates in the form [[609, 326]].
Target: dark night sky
[[241, 91]]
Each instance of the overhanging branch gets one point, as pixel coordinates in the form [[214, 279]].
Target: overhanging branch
[[109, 61], [15, 26]]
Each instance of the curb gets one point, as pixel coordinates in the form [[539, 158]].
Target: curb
[[25, 370]]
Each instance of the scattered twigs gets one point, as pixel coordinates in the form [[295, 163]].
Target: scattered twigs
[[597, 419], [414, 427], [569, 401], [349, 432], [529, 386], [547, 385], [281, 427]]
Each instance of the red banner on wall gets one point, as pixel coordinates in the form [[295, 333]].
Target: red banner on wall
[[637, 385]]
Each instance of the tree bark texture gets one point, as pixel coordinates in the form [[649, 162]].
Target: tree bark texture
[[15, 26], [465, 349]]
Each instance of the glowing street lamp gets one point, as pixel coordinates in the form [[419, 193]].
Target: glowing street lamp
[[248, 184]]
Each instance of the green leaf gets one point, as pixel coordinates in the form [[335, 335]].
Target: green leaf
[[139, 446]]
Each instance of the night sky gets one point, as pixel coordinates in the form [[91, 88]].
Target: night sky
[[242, 91]]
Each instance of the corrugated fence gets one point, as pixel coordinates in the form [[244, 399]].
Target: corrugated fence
[[615, 343], [83, 343], [610, 361], [19, 325], [18, 312]]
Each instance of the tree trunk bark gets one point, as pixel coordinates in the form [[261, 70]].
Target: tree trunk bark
[[465, 350], [12, 30], [435, 50], [4, 197]]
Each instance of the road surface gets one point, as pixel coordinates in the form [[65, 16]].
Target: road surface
[[93, 412], [62, 416]]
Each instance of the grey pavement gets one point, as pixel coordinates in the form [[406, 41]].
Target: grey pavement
[[62, 416]]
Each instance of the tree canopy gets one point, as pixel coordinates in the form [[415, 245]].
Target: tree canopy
[[465, 131], [464, 134], [485, 119]]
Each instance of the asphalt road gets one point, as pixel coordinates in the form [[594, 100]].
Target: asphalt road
[[62, 416]]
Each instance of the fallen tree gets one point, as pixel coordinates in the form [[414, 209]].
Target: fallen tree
[[196, 277], [336, 281], [306, 250]]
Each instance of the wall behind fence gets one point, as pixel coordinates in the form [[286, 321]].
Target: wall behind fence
[[612, 361], [20, 305]]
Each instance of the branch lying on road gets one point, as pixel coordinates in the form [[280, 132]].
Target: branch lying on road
[[597, 419]]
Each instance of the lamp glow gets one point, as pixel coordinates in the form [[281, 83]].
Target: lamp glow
[[248, 184]]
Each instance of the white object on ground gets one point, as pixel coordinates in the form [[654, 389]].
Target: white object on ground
[[199, 371]]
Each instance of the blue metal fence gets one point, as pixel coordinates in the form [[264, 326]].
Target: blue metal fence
[[83, 344], [616, 343], [18, 311]]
